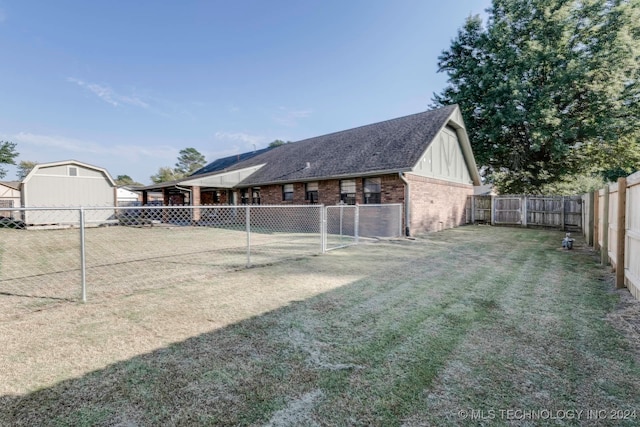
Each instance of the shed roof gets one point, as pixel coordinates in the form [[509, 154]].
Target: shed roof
[[39, 166]]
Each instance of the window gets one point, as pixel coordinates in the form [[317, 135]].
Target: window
[[372, 190], [348, 191], [255, 196], [244, 196], [73, 171], [311, 192], [287, 192]]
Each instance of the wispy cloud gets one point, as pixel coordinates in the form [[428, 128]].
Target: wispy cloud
[[69, 146], [108, 95], [288, 117], [240, 137], [61, 143]]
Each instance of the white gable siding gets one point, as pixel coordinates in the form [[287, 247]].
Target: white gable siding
[[444, 160]]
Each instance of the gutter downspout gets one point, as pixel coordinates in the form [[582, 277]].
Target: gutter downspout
[[407, 204]]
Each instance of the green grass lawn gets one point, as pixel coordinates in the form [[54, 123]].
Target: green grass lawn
[[471, 326]]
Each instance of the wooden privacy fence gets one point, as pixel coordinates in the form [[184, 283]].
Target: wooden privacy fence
[[614, 213], [564, 213]]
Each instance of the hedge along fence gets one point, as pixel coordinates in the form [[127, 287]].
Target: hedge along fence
[[614, 217]]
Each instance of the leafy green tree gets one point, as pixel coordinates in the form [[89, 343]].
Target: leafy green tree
[[277, 143], [189, 161], [165, 174], [126, 180], [24, 167], [8, 154], [548, 89], [570, 186]]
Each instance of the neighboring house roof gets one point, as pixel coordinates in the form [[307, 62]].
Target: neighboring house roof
[[391, 146], [226, 162], [39, 166], [125, 192], [11, 184]]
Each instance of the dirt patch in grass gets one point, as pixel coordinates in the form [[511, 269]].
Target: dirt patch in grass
[[393, 333]]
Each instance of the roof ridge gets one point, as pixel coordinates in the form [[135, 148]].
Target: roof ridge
[[377, 123]]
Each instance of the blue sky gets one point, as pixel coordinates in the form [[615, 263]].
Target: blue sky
[[126, 85]]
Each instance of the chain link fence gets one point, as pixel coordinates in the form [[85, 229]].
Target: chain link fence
[[347, 224], [78, 253]]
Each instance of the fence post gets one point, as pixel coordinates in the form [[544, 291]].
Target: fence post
[[604, 250], [523, 211], [341, 213], [323, 229], [473, 210], [83, 260], [591, 223], [596, 219], [356, 223], [247, 220], [562, 219], [622, 209], [493, 210]]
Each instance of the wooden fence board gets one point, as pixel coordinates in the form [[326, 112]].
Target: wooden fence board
[[540, 211], [632, 238], [612, 244]]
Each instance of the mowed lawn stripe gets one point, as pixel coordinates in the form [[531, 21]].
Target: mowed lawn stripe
[[407, 345], [476, 318]]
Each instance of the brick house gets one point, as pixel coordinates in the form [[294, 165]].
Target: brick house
[[423, 161]]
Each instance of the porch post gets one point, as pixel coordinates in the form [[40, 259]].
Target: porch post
[[195, 194]]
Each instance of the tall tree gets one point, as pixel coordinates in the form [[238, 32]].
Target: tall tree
[[189, 161], [165, 174], [548, 89], [126, 180], [8, 154], [24, 167]]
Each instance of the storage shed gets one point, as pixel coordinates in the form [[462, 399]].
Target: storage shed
[[67, 184]]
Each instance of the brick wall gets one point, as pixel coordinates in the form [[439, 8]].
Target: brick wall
[[392, 191], [436, 205]]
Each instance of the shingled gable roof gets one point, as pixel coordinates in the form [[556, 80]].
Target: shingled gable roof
[[387, 147], [12, 184], [391, 146]]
